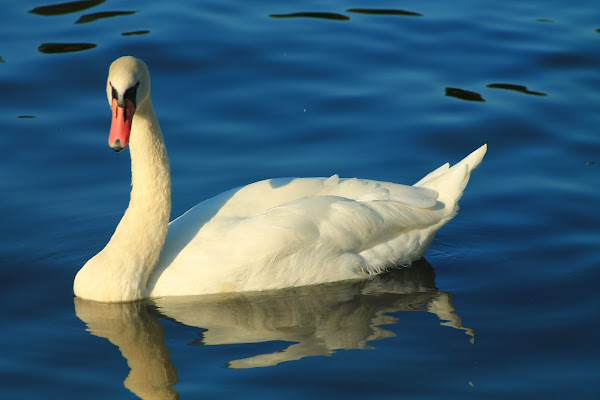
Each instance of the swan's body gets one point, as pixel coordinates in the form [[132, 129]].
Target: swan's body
[[270, 234]]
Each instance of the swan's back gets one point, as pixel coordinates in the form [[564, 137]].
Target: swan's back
[[296, 231]]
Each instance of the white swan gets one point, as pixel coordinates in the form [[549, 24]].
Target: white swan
[[270, 234]]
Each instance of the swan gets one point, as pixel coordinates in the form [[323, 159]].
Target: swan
[[271, 234]]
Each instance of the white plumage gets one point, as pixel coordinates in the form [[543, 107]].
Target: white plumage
[[270, 234]]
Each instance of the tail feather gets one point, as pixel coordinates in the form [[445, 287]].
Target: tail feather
[[450, 182]]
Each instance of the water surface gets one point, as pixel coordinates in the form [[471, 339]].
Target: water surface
[[504, 306]]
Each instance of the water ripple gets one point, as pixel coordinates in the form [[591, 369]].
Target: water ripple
[[310, 14], [142, 32], [99, 15], [65, 8], [463, 94], [52, 48], [516, 88], [384, 11]]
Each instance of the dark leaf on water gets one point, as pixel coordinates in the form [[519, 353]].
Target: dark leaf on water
[[309, 14], [384, 11], [135, 33], [517, 88], [52, 48], [103, 14], [66, 8], [463, 94]]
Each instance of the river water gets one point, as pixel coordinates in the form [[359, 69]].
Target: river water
[[504, 304]]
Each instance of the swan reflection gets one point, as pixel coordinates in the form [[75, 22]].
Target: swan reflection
[[141, 340], [316, 320]]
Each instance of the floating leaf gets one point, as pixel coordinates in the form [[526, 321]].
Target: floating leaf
[[66, 8], [384, 11], [103, 14], [517, 88], [463, 94], [309, 14], [52, 48]]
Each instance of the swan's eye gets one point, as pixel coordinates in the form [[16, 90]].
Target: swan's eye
[[115, 95], [130, 93]]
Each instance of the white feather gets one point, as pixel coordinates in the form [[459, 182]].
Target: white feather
[[270, 234]]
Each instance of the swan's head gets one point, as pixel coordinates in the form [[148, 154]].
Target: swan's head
[[127, 88]]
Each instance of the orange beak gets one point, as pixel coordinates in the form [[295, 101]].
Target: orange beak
[[120, 126]]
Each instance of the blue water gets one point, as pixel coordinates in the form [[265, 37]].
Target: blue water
[[505, 305]]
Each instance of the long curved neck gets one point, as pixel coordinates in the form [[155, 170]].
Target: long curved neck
[[150, 176], [144, 224], [121, 270]]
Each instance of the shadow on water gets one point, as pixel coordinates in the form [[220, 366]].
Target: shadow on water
[[517, 88], [66, 8], [53, 48], [384, 11], [76, 6], [103, 14], [464, 94], [142, 32], [474, 96], [341, 17], [310, 14], [315, 320]]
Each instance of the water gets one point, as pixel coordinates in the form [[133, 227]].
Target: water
[[504, 306]]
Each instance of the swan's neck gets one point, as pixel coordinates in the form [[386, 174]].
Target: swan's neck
[[121, 270]]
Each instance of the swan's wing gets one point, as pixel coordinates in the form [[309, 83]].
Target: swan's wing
[[307, 241], [367, 235], [260, 196], [233, 243], [298, 231]]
